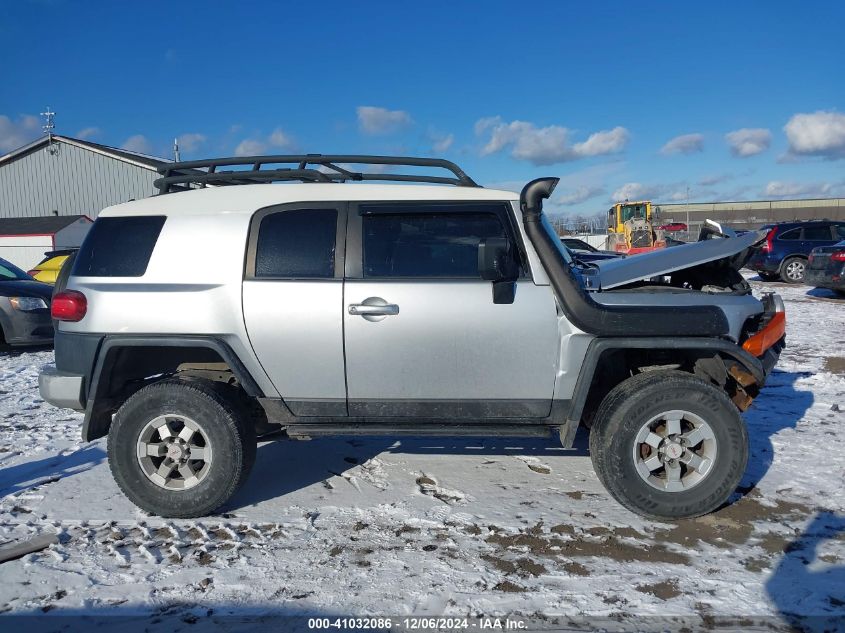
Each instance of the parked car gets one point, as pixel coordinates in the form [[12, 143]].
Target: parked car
[[787, 247], [585, 252], [359, 309], [826, 268], [24, 308], [47, 270]]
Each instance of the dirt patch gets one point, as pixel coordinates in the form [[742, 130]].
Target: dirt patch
[[508, 587], [500, 564], [360, 525], [733, 524], [576, 569], [610, 547], [664, 590], [563, 529], [426, 481], [576, 494], [834, 364], [407, 529], [528, 567], [757, 565]]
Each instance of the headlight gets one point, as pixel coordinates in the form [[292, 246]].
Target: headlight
[[27, 304]]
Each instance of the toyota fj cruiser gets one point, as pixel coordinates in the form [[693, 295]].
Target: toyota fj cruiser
[[337, 307]]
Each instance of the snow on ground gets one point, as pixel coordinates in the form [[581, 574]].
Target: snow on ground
[[432, 527]]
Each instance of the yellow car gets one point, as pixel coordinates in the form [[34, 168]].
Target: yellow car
[[47, 270]]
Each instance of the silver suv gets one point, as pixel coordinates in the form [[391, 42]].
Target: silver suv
[[228, 307]]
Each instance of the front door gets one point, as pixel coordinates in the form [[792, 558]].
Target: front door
[[423, 335]]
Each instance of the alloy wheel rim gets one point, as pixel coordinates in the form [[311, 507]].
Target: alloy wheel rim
[[795, 270], [174, 452], [675, 451]]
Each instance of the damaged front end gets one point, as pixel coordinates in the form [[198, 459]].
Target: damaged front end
[[705, 272]]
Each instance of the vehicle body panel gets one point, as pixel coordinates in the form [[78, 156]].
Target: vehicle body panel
[[619, 272], [824, 270], [769, 262], [23, 327], [450, 346], [47, 270]]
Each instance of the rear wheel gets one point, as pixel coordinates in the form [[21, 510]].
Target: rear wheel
[[667, 445], [181, 449], [792, 270]]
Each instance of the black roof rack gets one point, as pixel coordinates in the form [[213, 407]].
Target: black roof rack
[[189, 174]]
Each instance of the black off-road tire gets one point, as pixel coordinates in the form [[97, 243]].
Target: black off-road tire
[[634, 402], [222, 418], [786, 268]]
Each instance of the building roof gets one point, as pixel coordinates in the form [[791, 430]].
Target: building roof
[[140, 160], [42, 225]]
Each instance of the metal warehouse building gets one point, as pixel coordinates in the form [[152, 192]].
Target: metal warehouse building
[[753, 214], [58, 175]]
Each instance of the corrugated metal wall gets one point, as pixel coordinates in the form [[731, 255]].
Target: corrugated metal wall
[[73, 181]]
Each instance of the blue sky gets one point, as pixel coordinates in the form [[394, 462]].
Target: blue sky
[[733, 100]]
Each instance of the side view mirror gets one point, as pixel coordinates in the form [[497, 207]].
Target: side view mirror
[[496, 261]]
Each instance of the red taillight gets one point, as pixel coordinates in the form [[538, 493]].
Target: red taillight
[[768, 247], [838, 256], [69, 305]]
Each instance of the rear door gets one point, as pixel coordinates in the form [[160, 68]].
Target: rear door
[[293, 300], [423, 335], [817, 235]]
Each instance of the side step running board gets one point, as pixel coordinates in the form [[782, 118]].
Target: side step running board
[[423, 430]]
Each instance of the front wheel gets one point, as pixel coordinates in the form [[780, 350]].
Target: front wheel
[[181, 449], [668, 445]]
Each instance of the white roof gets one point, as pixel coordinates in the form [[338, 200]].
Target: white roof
[[246, 199]]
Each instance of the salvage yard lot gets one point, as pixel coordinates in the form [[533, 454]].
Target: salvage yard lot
[[432, 526]]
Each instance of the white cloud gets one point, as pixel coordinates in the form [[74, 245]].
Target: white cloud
[[579, 194], [684, 144], [442, 143], [748, 141], [138, 143], [15, 134], [251, 147], [88, 132], [546, 145], [636, 191], [191, 141], [277, 139], [781, 189], [606, 142], [818, 134], [373, 120]]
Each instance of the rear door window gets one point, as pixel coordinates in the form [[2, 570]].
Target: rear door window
[[840, 231], [817, 233], [118, 247], [297, 244], [794, 234]]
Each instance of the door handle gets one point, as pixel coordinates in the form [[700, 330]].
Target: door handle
[[362, 309]]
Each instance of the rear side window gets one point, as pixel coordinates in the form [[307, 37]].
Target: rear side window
[[818, 233], [840, 231], [118, 247], [297, 244], [426, 244], [794, 234]]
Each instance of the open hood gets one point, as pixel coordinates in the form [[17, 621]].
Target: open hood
[[619, 272]]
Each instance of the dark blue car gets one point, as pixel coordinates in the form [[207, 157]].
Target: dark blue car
[[787, 247]]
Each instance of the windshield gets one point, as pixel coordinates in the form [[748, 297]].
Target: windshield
[[10, 272], [631, 211], [564, 252]]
